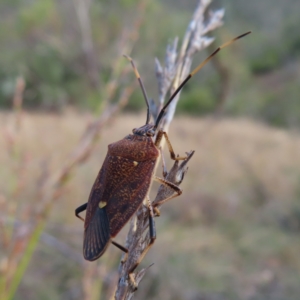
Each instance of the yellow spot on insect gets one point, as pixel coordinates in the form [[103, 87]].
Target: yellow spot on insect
[[102, 204], [135, 163]]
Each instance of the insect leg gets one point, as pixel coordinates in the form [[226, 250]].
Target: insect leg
[[172, 153], [169, 184], [176, 192], [122, 248], [152, 230], [80, 209], [164, 167]]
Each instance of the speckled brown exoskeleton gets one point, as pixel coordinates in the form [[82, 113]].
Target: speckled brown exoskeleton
[[125, 177]]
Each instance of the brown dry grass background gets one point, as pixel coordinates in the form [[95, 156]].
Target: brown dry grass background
[[233, 234]]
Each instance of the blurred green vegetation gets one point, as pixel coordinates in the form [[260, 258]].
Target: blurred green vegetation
[[42, 41], [235, 233]]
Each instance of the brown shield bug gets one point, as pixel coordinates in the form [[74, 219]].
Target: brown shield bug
[[125, 177]]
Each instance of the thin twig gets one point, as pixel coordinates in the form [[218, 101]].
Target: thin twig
[[177, 67]]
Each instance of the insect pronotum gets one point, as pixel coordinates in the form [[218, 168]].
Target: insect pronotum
[[125, 177]]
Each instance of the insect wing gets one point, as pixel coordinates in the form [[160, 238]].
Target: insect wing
[[118, 191], [129, 191], [96, 194], [96, 235], [120, 188]]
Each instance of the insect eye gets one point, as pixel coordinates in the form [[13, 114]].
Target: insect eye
[[150, 132]]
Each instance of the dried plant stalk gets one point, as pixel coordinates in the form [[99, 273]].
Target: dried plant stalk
[[176, 69]]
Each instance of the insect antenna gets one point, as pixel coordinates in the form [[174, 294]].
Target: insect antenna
[[137, 75], [196, 70]]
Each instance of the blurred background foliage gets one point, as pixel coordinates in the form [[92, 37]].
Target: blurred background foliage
[[42, 41], [234, 233]]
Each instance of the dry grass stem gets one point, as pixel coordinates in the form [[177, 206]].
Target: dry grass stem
[[176, 69]]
